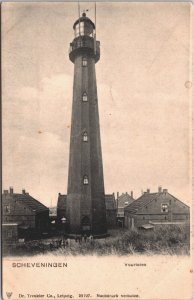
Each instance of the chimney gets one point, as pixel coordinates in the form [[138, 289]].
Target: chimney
[[117, 195], [159, 189], [131, 194], [165, 191], [23, 192], [148, 191], [11, 190], [59, 194]]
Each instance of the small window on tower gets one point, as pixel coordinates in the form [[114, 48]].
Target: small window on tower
[[84, 62], [85, 137], [7, 208], [85, 97], [164, 208], [85, 179]]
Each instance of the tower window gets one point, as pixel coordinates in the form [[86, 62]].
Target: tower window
[[84, 97], [84, 62], [85, 179], [164, 208], [7, 208], [85, 137]]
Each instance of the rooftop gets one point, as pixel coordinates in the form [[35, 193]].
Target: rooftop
[[62, 201], [83, 18], [29, 201], [110, 201], [124, 199], [147, 198]]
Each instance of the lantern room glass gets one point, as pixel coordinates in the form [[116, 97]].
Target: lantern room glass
[[84, 28]]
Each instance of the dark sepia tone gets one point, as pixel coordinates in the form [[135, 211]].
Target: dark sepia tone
[[96, 148]]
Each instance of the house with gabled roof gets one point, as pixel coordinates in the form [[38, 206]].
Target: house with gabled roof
[[30, 215], [111, 210], [122, 201], [61, 206], [156, 209]]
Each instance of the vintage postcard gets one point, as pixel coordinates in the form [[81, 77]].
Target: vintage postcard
[[97, 150]]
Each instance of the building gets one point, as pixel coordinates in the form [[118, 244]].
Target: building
[[156, 209], [61, 206], [31, 216], [86, 211], [53, 218], [111, 210], [52, 212], [62, 224], [10, 233], [122, 201], [62, 212]]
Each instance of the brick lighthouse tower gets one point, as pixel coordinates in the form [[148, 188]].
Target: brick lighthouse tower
[[86, 212]]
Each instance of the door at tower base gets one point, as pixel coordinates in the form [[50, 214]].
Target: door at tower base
[[86, 221]]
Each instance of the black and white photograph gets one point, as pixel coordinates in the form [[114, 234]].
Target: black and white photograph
[[97, 144]]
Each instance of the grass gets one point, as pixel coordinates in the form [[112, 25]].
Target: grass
[[163, 240]]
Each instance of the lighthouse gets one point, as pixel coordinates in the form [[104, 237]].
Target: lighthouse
[[86, 212]]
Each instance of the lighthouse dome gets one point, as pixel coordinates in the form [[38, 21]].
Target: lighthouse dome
[[84, 26]]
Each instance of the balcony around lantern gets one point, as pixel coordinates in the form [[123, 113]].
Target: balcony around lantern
[[84, 45]]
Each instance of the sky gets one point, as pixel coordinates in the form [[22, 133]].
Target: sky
[[143, 82]]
